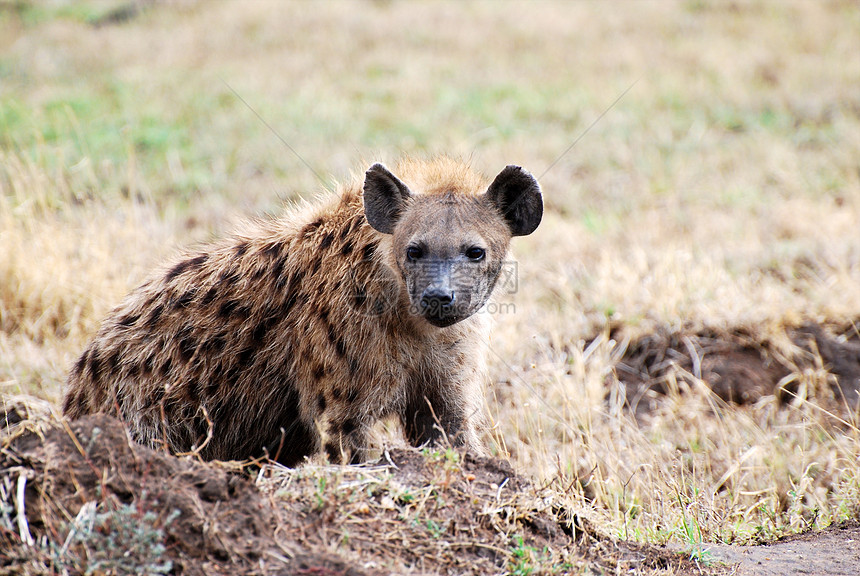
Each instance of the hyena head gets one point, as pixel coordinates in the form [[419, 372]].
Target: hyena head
[[449, 245]]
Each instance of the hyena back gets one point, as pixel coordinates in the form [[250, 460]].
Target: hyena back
[[299, 333]]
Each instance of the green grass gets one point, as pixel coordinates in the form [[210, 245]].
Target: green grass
[[95, 133]]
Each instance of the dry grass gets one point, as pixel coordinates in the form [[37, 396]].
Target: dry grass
[[696, 470], [723, 191]]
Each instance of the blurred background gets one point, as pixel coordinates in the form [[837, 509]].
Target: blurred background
[[722, 191]]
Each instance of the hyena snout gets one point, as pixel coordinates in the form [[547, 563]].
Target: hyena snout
[[437, 300], [438, 304], [444, 292]]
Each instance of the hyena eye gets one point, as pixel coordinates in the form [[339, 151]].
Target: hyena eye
[[414, 253], [475, 253]]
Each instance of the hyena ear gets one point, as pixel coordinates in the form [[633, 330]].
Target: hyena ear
[[385, 196], [516, 195]]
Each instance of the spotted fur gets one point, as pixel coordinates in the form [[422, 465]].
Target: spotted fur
[[295, 335]]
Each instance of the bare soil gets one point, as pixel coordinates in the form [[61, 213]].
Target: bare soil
[[431, 512], [832, 552]]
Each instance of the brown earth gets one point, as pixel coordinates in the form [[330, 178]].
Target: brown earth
[[741, 368], [224, 525], [85, 495]]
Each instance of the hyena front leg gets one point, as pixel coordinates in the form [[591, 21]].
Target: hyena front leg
[[431, 416]]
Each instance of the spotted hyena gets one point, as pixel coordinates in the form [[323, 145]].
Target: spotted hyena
[[297, 334]]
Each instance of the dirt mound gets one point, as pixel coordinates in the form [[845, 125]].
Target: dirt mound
[[91, 497], [438, 512], [742, 368], [81, 497]]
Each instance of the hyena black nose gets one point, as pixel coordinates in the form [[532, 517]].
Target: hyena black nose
[[435, 300]]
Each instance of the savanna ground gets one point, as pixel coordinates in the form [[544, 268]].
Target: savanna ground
[[680, 365]]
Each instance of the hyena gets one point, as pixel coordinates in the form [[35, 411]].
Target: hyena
[[296, 334]]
